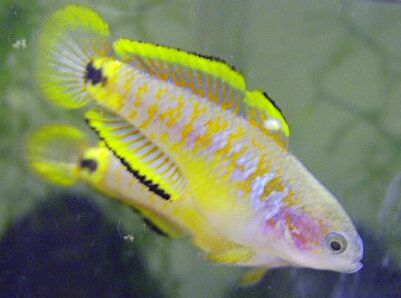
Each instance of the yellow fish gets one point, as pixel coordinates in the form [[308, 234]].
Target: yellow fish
[[63, 155], [188, 124]]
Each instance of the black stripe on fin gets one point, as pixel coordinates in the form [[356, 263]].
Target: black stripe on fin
[[153, 187], [149, 223], [274, 103], [154, 227], [209, 57]]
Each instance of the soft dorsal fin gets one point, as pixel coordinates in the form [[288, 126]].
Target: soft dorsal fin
[[262, 111], [148, 163], [207, 77]]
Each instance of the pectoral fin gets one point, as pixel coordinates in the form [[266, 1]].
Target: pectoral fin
[[232, 256], [253, 276]]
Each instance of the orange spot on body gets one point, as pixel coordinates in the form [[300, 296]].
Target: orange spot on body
[[161, 92], [189, 127], [175, 114], [152, 111], [139, 94]]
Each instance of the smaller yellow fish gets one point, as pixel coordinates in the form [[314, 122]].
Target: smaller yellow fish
[[63, 155]]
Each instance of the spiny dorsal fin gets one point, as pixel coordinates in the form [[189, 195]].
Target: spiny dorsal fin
[[149, 164], [207, 77]]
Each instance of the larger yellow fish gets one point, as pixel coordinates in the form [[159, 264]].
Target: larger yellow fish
[[188, 124]]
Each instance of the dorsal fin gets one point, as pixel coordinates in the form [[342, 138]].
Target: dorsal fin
[[263, 112], [207, 77], [148, 163]]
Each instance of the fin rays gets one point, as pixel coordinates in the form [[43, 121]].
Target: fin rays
[[210, 78], [147, 162], [70, 38]]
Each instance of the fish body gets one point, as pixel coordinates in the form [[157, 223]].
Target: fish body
[[64, 155], [190, 126], [248, 186]]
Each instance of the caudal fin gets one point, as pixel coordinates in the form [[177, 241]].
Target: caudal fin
[[71, 37], [53, 152]]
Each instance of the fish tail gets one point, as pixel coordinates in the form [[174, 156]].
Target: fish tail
[[53, 152], [71, 37]]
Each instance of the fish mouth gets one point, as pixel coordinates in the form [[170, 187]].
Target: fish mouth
[[355, 267]]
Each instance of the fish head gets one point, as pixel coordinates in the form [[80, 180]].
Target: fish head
[[306, 240], [309, 228]]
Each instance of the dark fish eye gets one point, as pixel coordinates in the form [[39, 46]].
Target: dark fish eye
[[336, 243]]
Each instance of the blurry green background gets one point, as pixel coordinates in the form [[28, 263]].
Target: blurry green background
[[334, 68]]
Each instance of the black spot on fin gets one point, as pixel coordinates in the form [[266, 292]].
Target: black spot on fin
[[94, 75], [89, 164]]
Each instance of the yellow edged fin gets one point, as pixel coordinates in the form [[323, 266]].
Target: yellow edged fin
[[149, 164], [94, 168], [208, 77], [53, 152], [263, 112], [236, 255], [205, 76], [253, 276], [71, 37], [159, 224]]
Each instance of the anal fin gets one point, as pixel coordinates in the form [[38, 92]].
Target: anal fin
[[253, 276], [160, 225], [235, 255]]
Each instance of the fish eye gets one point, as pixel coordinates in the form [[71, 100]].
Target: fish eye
[[336, 243]]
